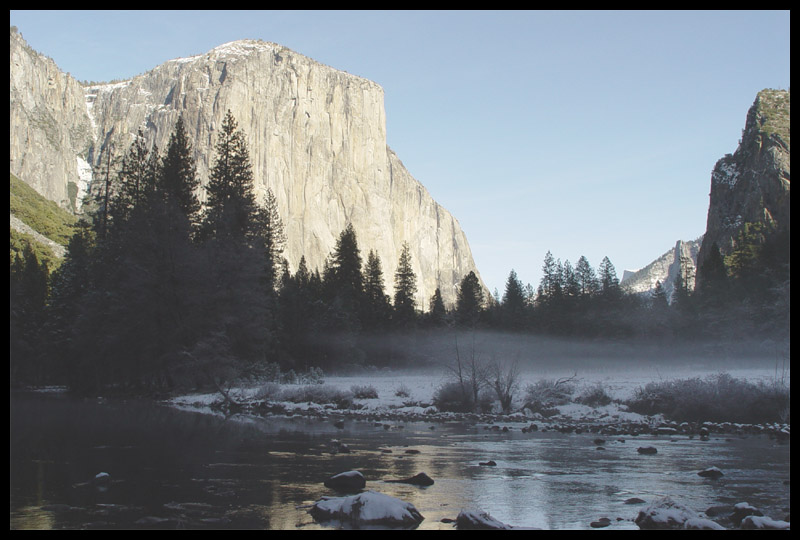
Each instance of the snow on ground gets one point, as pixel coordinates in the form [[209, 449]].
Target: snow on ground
[[411, 394]]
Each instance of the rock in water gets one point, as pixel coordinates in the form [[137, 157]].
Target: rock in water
[[368, 508], [711, 472], [477, 520], [664, 513], [420, 479], [346, 482], [647, 450]]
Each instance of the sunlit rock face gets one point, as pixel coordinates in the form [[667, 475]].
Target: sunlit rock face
[[50, 129], [317, 140], [680, 260], [753, 184]]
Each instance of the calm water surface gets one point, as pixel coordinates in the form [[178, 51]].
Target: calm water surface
[[180, 469]]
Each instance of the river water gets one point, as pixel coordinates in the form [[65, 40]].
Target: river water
[[171, 468]]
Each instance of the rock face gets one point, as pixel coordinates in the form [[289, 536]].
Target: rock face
[[665, 269], [316, 135], [50, 129], [752, 185]]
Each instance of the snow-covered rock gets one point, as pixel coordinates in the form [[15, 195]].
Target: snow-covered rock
[[764, 522], [664, 513], [367, 509], [711, 472], [702, 524], [478, 520]]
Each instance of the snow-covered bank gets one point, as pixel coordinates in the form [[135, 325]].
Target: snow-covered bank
[[409, 397]]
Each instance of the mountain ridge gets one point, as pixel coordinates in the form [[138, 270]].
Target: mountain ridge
[[317, 138]]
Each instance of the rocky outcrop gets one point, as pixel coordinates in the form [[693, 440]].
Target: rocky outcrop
[[665, 269], [753, 184], [317, 140], [50, 130]]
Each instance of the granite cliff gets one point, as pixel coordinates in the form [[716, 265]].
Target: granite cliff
[[752, 185], [317, 140], [665, 269]]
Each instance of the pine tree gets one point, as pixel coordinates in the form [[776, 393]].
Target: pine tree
[[377, 307], [271, 232], [609, 283], [438, 312], [178, 178], [137, 179], [550, 286], [470, 299], [513, 304], [659, 296], [586, 278], [405, 287], [231, 209]]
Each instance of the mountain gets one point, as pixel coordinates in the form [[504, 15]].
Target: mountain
[[316, 135], [664, 269], [752, 185]]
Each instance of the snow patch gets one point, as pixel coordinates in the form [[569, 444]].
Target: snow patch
[[84, 179]]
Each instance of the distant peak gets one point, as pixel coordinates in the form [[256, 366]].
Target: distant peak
[[243, 46]]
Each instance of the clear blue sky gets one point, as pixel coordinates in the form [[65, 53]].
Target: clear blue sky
[[582, 133]]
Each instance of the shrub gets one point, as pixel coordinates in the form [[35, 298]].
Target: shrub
[[545, 394], [402, 391], [594, 396], [452, 397], [318, 393], [314, 375], [716, 398], [270, 391], [364, 392]]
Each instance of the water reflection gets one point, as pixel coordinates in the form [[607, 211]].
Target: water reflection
[[178, 469]]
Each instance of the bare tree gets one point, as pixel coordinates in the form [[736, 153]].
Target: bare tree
[[471, 374], [504, 379]]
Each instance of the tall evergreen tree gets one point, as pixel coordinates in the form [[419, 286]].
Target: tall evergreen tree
[[178, 178], [609, 283], [586, 277], [377, 307], [405, 287], [550, 286], [469, 301], [438, 312], [343, 280], [271, 233], [513, 304], [231, 209]]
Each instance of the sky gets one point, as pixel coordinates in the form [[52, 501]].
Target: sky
[[582, 133]]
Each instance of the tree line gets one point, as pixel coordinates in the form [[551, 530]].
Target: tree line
[[158, 292]]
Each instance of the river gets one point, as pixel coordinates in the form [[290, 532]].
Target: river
[[171, 468]]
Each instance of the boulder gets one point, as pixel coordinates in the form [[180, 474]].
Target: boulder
[[367, 509], [711, 472], [346, 482], [664, 513], [472, 520], [702, 524], [647, 450], [742, 510], [600, 523], [420, 479], [634, 500], [763, 522]]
